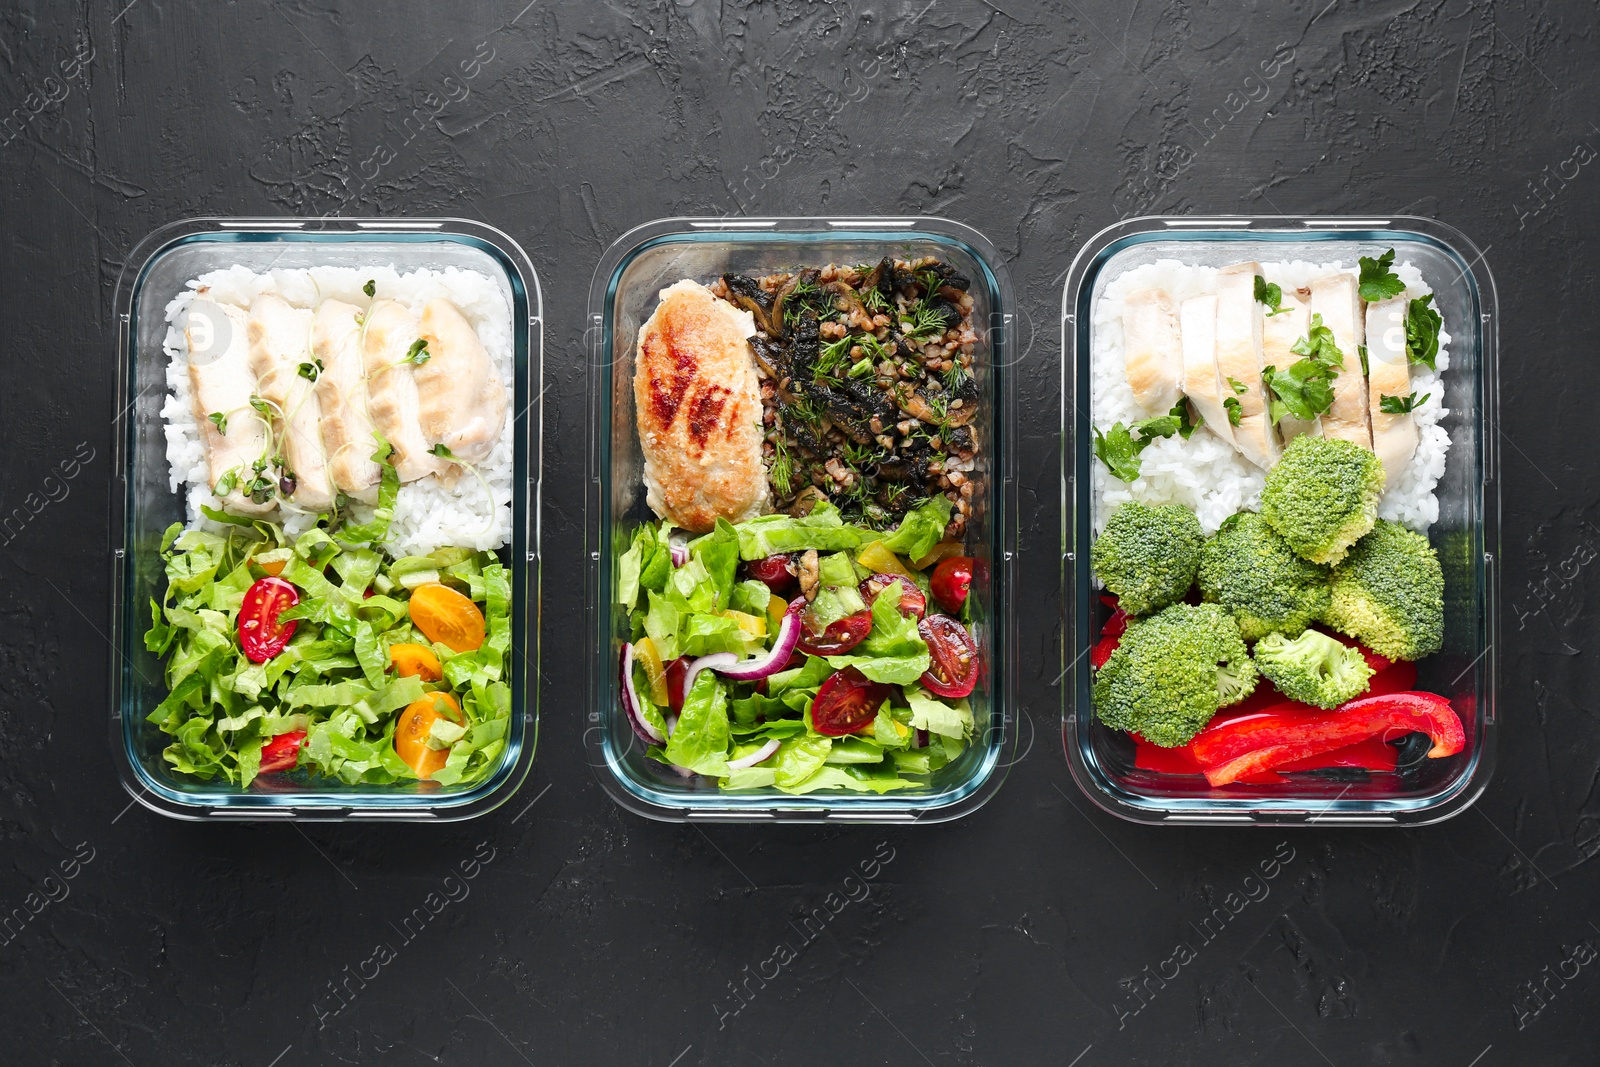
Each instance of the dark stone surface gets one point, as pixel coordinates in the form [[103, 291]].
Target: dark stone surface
[[594, 937]]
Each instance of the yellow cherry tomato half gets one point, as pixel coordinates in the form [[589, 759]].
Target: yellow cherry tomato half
[[446, 617], [413, 660], [411, 732]]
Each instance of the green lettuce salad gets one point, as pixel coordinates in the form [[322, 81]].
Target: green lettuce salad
[[748, 733], [329, 699]]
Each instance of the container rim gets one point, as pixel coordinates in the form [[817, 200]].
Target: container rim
[[1465, 789], [764, 807], [524, 550]]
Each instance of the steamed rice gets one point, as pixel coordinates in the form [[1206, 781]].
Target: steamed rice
[[1207, 474], [427, 514]]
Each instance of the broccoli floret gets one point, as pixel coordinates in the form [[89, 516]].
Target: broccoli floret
[[1389, 594], [1171, 673], [1251, 571], [1147, 556], [1313, 668], [1322, 496]]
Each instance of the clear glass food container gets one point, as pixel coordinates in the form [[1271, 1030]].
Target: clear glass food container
[[1466, 535], [623, 294], [143, 506]]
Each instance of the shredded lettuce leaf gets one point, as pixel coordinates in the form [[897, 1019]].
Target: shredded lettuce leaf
[[685, 612], [334, 679]]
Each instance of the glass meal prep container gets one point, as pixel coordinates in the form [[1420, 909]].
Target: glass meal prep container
[[622, 296], [143, 506], [1466, 534]]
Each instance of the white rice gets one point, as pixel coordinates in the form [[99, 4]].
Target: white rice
[[427, 514], [1205, 473]]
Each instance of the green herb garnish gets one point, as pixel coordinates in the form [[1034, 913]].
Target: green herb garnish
[[1234, 409], [1400, 405], [1378, 282], [418, 352], [311, 371], [1318, 345], [1422, 332], [1239, 389], [1270, 295], [1305, 390], [371, 288], [219, 419]]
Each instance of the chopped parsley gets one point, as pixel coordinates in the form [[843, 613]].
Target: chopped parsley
[[1422, 332], [1378, 282], [1270, 295], [1304, 391], [1234, 409], [1118, 448], [1401, 405], [1361, 350], [1239, 389], [1318, 345]]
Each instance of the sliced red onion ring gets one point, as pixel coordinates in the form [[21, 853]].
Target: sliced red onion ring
[[630, 702], [756, 667], [715, 661], [760, 755], [678, 545]]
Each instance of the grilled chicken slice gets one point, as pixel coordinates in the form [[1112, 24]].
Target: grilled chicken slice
[[698, 405], [461, 403], [342, 397], [1238, 340], [280, 343], [1394, 437], [1197, 320], [220, 386], [1279, 334], [391, 330], [1335, 298], [1152, 355]]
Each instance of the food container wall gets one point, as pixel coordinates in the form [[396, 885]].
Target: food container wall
[[1466, 535], [622, 297], [143, 505]]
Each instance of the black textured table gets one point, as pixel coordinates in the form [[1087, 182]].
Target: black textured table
[[1036, 931]]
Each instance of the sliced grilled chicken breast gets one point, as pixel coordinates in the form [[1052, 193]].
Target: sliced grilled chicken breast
[[220, 386], [1197, 322], [391, 330], [1394, 437], [460, 402], [1238, 339], [1335, 298], [280, 341], [342, 397], [1152, 354], [1279, 333], [698, 405]]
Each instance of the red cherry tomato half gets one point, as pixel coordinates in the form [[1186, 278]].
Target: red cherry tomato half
[[839, 637], [952, 581], [677, 672], [847, 702], [913, 605], [260, 634], [773, 572], [282, 752], [954, 670]]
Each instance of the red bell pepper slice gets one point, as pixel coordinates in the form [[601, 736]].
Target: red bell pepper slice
[[1263, 742]]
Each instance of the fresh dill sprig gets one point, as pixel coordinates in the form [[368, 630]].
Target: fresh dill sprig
[[781, 473]]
